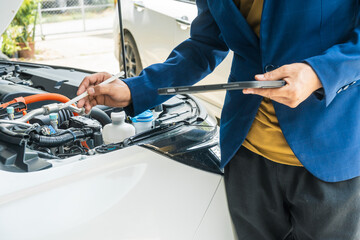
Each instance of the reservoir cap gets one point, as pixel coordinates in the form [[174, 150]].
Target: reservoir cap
[[146, 116]]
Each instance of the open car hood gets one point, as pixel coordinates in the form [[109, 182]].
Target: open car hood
[[8, 10]]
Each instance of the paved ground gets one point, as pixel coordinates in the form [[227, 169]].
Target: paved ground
[[91, 50], [101, 21]]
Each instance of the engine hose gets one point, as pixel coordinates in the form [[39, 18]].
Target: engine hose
[[100, 115], [46, 97], [64, 115], [11, 133], [59, 140], [12, 137], [38, 98]]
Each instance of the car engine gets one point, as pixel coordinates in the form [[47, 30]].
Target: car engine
[[37, 133]]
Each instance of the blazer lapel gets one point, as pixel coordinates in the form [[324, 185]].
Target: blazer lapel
[[234, 27]]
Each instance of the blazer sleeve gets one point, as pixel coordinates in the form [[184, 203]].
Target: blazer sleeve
[[339, 66], [187, 64]]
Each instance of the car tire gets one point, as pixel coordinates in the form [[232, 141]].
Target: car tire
[[132, 56]]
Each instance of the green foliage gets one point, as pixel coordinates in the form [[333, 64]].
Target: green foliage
[[26, 18], [21, 29], [9, 45]]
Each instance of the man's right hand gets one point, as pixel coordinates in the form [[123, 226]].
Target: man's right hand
[[114, 94]]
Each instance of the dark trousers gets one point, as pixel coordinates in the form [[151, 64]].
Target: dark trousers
[[271, 201]]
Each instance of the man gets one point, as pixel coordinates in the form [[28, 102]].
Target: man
[[294, 151]]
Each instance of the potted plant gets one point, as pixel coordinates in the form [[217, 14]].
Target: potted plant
[[9, 45], [25, 22]]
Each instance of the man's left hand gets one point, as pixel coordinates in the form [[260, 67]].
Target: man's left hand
[[301, 82]]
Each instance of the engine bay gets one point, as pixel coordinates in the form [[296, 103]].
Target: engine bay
[[37, 133]]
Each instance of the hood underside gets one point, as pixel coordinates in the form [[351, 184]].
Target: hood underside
[[8, 10]]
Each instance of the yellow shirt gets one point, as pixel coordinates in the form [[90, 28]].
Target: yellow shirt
[[265, 136]]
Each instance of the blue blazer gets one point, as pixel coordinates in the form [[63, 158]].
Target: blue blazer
[[323, 132]]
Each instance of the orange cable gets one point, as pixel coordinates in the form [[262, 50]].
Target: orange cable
[[39, 98]]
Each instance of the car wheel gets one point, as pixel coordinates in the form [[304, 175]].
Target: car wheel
[[132, 56]]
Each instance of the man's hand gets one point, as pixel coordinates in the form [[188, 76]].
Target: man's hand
[[301, 81], [114, 94]]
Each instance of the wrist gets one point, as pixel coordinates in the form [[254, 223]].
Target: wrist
[[127, 99], [311, 75]]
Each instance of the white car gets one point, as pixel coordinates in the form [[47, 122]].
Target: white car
[[152, 28], [59, 181]]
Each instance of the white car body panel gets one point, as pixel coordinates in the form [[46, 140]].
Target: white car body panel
[[156, 33], [7, 13], [120, 196], [215, 219], [155, 49]]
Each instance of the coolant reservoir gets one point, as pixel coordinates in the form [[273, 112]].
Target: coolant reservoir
[[118, 130], [143, 121]]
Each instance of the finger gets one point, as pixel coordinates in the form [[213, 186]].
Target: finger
[[81, 103], [101, 90], [281, 100], [268, 92], [91, 92], [93, 103], [277, 74], [87, 107], [93, 79], [286, 101], [86, 82]]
